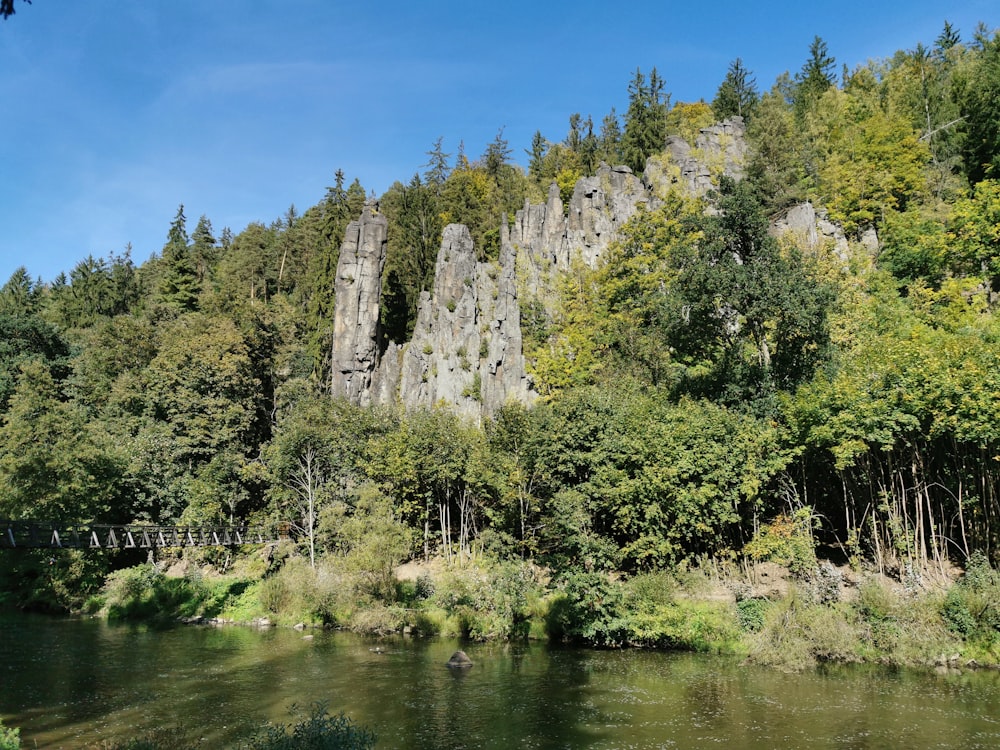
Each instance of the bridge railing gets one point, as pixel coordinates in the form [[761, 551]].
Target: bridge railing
[[34, 534]]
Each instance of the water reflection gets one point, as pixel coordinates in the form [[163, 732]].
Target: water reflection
[[75, 683]]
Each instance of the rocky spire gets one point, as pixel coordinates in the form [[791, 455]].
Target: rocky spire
[[356, 312]]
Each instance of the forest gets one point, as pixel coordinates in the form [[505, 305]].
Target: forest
[[711, 397]]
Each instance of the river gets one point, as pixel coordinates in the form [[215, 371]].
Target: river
[[77, 683]]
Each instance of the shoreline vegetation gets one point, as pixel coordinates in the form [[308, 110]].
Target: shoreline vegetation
[[760, 610]]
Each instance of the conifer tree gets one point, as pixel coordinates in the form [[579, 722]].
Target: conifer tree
[[611, 139], [645, 121], [437, 166], [737, 94], [980, 105], [536, 155], [815, 77], [179, 283]]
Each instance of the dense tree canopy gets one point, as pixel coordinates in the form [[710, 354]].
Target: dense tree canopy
[[703, 378]]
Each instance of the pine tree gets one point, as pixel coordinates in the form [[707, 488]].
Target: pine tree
[[645, 121], [536, 155], [204, 250], [737, 94], [611, 139], [815, 77], [437, 166], [179, 283]]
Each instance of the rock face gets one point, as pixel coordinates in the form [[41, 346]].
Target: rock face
[[358, 291], [718, 150], [810, 230], [467, 350]]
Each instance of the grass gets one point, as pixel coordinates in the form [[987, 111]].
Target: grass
[[882, 622]]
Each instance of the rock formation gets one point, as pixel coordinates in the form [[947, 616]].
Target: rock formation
[[466, 351], [358, 290], [718, 150]]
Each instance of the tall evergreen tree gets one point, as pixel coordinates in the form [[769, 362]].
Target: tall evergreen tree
[[204, 249], [437, 166], [737, 94], [611, 139], [646, 120], [816, 76], [980, 106], [179, 285], [536, 155]]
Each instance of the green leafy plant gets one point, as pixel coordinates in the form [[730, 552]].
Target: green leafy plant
[[10, 737], [315, 729]]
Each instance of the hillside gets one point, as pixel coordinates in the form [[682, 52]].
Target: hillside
[[743, 331]]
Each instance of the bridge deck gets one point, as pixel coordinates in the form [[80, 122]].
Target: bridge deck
[[33, 534]]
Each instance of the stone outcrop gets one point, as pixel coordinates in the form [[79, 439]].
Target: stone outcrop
[[358, 289], [718, 150], [811, 230], [466, 351]]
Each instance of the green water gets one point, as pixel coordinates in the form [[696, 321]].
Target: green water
[[72, 684]]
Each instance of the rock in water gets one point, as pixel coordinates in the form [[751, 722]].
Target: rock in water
[[459, 660]]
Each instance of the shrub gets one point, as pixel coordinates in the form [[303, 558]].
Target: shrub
[[797, 635], [315, 730], [972, 606], [589, 610], [10, 737], [686, 625], [487, 604], [787, 541], [750, 614]]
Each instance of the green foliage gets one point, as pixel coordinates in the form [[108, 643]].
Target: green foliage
[[979, 99], [313, 729], [10, 737], [645, 121], [55, 465], [971, 608], [751, 614], [24, 338], [788, 541], [483, 602], [873, 163], [144, 593], [974, 238], [178, 286], [815, 78], [797, 635], [589, 610], [370, 540], [737, 94]]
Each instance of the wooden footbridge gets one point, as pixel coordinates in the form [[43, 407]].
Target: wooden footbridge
[[34, 535]]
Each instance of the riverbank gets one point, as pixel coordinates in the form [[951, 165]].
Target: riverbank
[[762, 612]]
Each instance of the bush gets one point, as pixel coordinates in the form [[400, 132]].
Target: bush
[[10, 737], [686, 625], [972, 606], [315, 730], [797, 635], [750, 614], [787, 541], [589, 610], [144, 593], [485, 604], [877, 607]]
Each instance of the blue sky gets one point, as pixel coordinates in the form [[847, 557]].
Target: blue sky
[[112, 113]]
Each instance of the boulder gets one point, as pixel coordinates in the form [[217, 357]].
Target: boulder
[[459, 660]]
